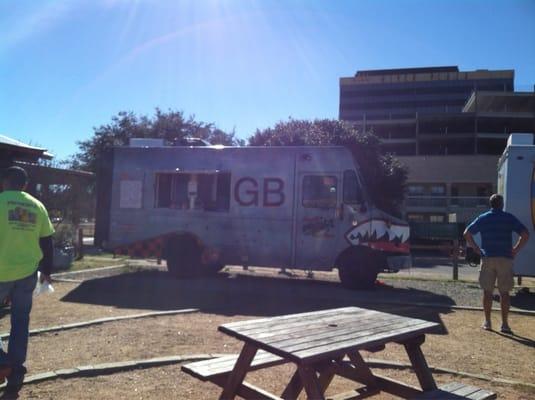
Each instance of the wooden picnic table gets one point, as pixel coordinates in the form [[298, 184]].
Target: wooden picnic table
[[323, 344], [317, 342]]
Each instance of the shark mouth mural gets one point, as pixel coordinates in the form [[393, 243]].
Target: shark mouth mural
[[380, 234]]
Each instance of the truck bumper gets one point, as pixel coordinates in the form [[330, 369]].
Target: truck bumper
[[399, 262]]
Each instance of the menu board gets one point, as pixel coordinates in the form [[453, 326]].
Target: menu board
[[130, 194]]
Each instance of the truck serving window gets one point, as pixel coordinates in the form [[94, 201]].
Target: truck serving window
[[352, 189], [208, 191], [163, 187], [319, 191]]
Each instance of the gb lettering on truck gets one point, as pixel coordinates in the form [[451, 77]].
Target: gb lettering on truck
[[201, 208]]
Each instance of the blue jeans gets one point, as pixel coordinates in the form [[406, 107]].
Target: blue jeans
[[21, 295]]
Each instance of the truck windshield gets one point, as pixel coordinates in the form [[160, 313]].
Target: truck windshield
[[352, 189]]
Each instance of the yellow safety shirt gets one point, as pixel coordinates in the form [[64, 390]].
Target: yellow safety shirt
[[23, 221]]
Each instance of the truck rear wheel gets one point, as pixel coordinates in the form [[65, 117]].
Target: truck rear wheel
[[183, 256], [358, 269]]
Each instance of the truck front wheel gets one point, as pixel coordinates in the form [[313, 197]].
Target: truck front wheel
[[358, 268], [183, 256]]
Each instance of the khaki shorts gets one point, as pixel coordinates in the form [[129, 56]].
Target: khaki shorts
[[493, 268]]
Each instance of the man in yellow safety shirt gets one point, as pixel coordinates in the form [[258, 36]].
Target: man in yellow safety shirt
[[25, 239]]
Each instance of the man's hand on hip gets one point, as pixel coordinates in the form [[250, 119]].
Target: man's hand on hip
[[515, 251]]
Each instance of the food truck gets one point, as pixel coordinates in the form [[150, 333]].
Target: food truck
[[516, 183], [203, 207]]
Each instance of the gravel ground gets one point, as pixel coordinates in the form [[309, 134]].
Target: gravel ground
[[459, 293], [396, 288], [238, 295]]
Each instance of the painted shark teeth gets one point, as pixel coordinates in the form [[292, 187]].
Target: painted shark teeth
[[399, 231], [378, 229]]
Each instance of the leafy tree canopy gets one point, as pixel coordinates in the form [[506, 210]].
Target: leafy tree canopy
[[383, 175], [168, 125]]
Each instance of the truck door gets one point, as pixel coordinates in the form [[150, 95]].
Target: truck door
[[318, 226]]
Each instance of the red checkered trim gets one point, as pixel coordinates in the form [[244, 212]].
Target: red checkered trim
[[150, 248]]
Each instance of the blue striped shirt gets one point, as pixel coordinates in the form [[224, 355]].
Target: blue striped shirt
[[496, 228]]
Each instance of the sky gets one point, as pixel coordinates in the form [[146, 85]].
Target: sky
[[67, 66]]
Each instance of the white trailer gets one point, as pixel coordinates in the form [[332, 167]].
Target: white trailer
[[516, 183], [201, 208]]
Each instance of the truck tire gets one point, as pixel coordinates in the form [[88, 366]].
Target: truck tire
[[183, 256], [358, 268]]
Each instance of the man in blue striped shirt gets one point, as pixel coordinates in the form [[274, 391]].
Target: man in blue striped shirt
[[497, 253]]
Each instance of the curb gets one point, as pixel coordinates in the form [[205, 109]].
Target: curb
[[110, 368], [84, 324], [123, 366], [65, 280], [83, 271]]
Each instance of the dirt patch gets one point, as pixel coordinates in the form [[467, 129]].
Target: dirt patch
[[50, 310], [459, 344]]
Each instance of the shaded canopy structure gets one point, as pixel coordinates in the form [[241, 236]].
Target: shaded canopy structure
[[44, 181], [12, 150]]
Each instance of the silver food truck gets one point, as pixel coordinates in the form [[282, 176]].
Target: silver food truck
[[516, 182], [201, 208]]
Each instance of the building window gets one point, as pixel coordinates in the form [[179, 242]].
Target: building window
[[454, 196], [426, 217], [438, 190], [415, 217], [415, 190], [193, 191], [483, 192], [436, 218], [320, 191]]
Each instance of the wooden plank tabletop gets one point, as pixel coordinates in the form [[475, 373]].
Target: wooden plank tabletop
[[307, 337]]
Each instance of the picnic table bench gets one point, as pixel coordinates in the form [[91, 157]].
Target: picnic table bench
[[323, 344]]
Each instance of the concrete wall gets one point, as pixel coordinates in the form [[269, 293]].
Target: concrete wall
[[451, 169], [463, 172]]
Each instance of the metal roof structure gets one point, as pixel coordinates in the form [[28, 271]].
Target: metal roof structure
[[11, 149], [501, 102], [417, 70]]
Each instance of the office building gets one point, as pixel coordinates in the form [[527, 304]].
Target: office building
[[449, 128]]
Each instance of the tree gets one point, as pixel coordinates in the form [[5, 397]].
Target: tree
[[168, 125], [383, 175]]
